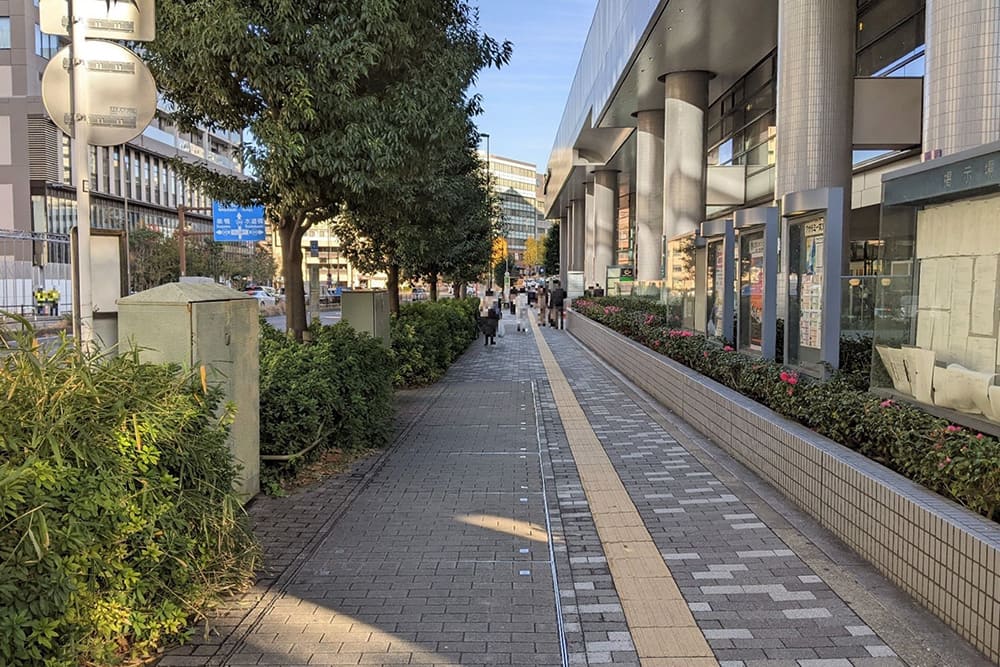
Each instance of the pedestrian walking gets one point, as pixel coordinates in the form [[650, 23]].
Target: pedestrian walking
[[489, 323], [557, 300], [543, 305], [520, 309]]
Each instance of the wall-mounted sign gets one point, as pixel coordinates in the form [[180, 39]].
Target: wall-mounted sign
[[121, 94], [131, 20]]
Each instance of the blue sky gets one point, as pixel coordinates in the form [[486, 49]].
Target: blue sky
[[524, 101]]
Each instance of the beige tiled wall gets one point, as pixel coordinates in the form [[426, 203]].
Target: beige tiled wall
[[941, 554]]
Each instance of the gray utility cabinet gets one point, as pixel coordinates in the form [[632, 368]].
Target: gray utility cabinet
[[196, 324], [367, 311]]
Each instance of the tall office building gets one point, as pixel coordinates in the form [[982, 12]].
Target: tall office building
[[130, 185], [515, 183]]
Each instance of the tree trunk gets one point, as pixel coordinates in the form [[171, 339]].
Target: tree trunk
[[434, 286], [291, 232], [458, 290], [392, 284]]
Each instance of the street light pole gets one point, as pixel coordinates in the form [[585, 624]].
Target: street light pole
[[484, 135]]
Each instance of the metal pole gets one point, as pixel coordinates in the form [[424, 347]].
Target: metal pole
[[83, 324], [489, 200], [181, 245]]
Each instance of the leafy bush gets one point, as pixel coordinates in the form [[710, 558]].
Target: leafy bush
[[946, 458], [119, 518], [335, 391], [428, 336]]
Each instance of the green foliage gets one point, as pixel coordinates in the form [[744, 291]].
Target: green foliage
[[153, 259], [948, 459], [119, 518], [335, 391], [345, 100], [428, 336], [552, 251]]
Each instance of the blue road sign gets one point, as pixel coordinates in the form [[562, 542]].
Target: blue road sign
[[314, 248], [234, 223]]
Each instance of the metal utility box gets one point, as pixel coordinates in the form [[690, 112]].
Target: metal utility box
[[196, 324], [367, 311]]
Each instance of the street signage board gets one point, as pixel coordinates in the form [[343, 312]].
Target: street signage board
[[127, 20], [121, 93], [236, 223]]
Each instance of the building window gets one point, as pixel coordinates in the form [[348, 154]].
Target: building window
[[890, 38], [67, 160], [45, 45], [4, 32]]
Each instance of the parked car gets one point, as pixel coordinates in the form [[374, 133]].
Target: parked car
[[263, 298]]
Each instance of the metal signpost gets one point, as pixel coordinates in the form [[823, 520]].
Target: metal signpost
[[100, 94], [235, 223]]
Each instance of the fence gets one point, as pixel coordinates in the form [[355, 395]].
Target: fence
[[29, 261]]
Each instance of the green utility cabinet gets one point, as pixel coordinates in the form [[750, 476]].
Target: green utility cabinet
[[196, 324], [367, 311]]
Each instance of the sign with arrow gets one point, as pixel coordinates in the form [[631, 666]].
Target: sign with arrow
[[231, 223]]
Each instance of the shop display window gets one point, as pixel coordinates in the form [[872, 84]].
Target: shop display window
[[751, 303], [804, 323], [937, 332], [715, 292], [679, 292]]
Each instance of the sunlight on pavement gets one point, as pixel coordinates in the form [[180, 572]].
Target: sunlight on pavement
[[501, 524]]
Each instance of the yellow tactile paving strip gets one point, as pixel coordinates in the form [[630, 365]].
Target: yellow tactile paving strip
[[663, 629]]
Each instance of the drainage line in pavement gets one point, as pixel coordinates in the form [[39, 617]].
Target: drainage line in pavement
[[563, 648]]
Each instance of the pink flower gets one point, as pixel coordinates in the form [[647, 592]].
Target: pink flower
[[649, 319], [940, 465], [886, 404], [784, 376], [656, 343], [947, 459], [727, 348], [953, 429], [705, 353], [791, 390], [979, 436], [790, 378]]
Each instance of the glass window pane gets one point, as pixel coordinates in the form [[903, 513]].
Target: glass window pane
[[4, 32]]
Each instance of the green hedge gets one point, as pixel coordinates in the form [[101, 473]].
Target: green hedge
[[118, 517], [428, 336], [946, 458], [336, 391]]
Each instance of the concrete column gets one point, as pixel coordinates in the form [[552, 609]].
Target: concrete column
[[590, 236], [684, 165], [816, 61], [649, 194], [605, 213], [579, 235], [815, 95], [962, 83], [564, 242]]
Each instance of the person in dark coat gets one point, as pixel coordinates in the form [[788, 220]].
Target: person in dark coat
[[489, 324], [557, 301]]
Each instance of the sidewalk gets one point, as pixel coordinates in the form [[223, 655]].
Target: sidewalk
[[504, 528]]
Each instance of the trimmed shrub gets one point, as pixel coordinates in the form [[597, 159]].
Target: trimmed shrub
[[119, 518], [946, 458], [335, 391], [428, 336]]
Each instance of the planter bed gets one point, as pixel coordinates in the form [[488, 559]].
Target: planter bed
[[942, 554]]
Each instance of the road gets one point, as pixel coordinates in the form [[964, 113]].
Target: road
[[325, 316]]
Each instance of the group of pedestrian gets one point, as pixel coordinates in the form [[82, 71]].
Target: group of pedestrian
[[551, 305]]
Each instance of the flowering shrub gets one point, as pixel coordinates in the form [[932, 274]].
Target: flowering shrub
[[946, 458]]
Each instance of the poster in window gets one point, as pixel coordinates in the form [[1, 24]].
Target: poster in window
[[811, 295], [756, 286]]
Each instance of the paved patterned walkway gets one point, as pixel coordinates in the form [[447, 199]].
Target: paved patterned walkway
[[536, 513]]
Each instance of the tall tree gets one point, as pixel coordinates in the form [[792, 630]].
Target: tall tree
[[337, 95], [552, 251]]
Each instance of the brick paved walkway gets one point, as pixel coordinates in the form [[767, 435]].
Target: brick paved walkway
[[473, 541]]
